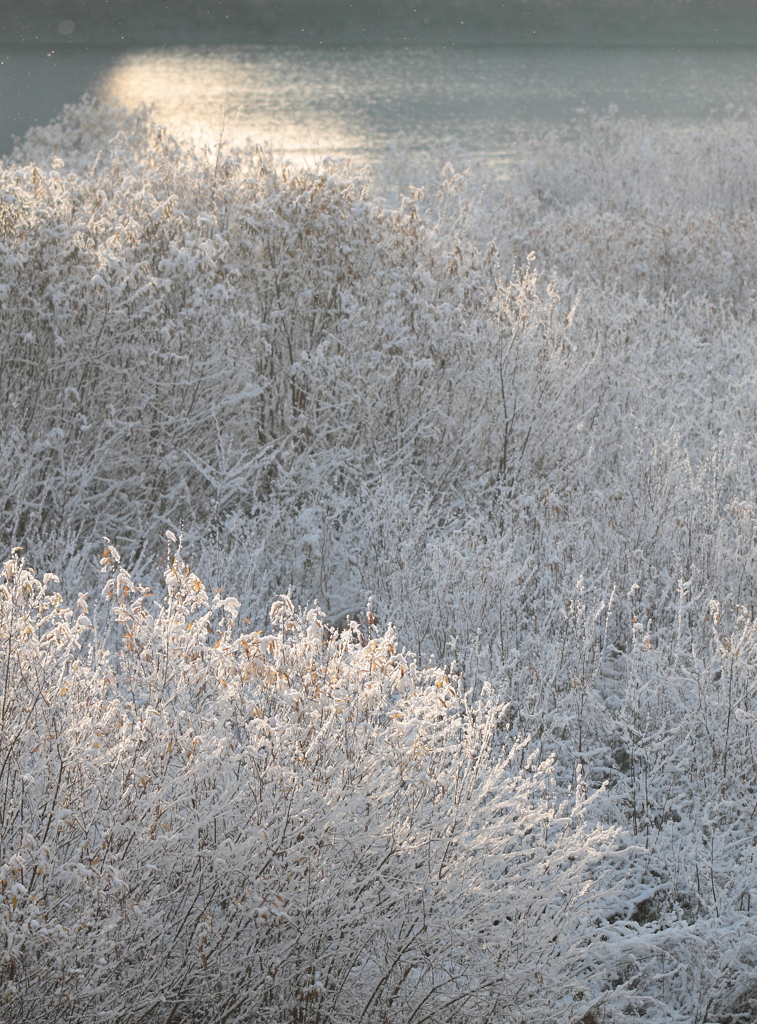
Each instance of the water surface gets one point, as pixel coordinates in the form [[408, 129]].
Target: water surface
[[308, 103], [35, 83]]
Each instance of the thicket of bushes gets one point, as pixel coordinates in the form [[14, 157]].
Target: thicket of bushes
[[516, 421], [299, 826]]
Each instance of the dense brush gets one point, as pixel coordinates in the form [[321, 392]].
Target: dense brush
[[517, 421]]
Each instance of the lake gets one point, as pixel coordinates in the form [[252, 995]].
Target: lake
[[353, 103]]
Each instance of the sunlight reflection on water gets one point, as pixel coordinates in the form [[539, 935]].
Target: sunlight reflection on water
[[353, 103]]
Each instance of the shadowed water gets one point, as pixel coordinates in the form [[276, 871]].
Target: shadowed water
[[35, 83], [308, 103]]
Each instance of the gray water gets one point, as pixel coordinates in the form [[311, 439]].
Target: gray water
[[353, 103]]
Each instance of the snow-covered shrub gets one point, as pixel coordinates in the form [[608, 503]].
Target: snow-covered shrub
[[636, 207], [206, 825], [188, 342]]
